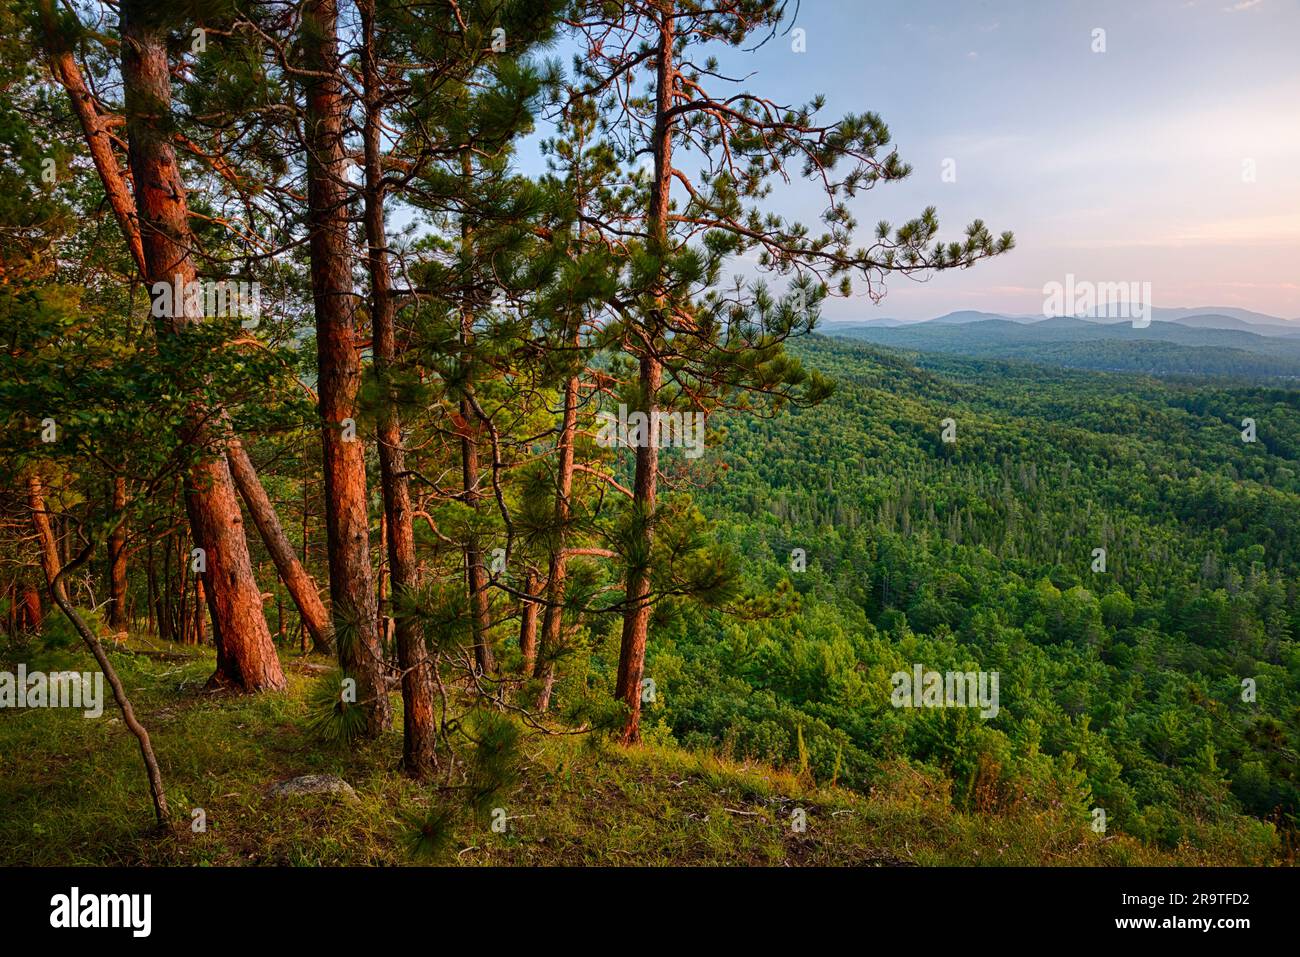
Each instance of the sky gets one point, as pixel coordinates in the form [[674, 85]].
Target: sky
[[1172, 157]]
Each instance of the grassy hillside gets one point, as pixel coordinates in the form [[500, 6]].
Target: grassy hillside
[[73, 792]]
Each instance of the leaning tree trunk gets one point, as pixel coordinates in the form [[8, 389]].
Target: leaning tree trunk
[[339, 367], [54, 577], [246, 658], [95, 130], [302, 589], [419, 731]]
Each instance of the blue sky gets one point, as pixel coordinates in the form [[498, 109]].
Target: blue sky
[[1125, 165]]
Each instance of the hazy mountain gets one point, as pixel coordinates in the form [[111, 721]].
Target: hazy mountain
[[1196, 345], [1245, 315], [1214, 317], [883, 323], [1209, 317], [970, 315], [1223, 340], [1220, 321]]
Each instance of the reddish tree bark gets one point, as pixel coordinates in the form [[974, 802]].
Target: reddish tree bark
[[95, 132], [339, 367], [200, 629], [300, 585], [552, 620], [475, 574], [636, 616], [246, 657], [33, 617], [419, 725]]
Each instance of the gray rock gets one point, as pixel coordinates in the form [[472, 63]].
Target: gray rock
[[315, 784]]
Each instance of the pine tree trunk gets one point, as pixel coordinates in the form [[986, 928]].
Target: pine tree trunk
[[165, 630], [553, 618], [246, 656], [347, 524], [636, 615], [33, 616], [184, 617], [117, 617], [475, 574], [306, 557], [96, 133], [528, 622], [151, 589], [300, 585], [381, 582], [200, 632], [419, 725]]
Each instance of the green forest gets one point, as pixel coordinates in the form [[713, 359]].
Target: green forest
[[1122, 689], [420, 414]]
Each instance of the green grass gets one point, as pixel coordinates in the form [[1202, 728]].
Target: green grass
[[72, 791]]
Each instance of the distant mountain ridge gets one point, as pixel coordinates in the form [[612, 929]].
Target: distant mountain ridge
[[1204, 317], [1223, 341], [971, 315], [1245, 315]]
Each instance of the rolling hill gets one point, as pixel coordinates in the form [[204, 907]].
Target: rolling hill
[[1209, 344]]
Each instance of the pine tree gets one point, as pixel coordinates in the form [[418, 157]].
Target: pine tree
[[246, 657], [696, 347]]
